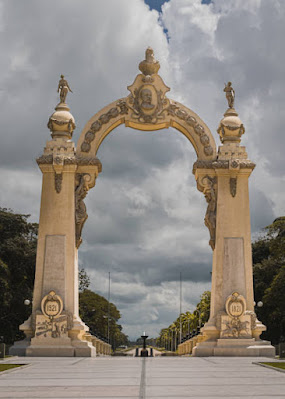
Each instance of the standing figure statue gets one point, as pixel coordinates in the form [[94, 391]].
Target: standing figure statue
[[230, 94], [63, 89]]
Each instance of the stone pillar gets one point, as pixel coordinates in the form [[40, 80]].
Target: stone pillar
[[55, 328], [225, 185]]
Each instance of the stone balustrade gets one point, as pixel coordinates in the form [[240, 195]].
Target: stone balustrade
[[186, 347], [102, 348]]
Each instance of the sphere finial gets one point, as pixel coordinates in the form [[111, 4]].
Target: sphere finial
[[61, 123], [149, 66]]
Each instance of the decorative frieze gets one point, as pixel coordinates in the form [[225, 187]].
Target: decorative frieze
[[70, 160], [223, 164], [120, 109]]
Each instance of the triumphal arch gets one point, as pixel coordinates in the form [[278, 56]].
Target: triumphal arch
[[70, 171]]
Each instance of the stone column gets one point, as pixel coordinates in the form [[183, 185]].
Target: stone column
[[54, 328], [225, 185]]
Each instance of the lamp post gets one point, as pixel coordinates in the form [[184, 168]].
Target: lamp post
[[180, 320], [109, 292], [144, 351]]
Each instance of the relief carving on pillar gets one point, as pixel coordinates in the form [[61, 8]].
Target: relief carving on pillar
[[81, 190], [57, 182], [52, 321], [233, 186], [210, 191], [237, 322]]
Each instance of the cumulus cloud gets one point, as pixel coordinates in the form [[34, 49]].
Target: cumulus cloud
[[146, 216]]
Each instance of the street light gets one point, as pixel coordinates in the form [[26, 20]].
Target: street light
[[259, 304]]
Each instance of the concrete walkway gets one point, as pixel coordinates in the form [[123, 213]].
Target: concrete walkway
[[159, 377]]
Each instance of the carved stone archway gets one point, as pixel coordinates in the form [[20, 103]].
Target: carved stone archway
[[54, 327]]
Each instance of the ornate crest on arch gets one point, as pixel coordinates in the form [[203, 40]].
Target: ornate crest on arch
[[147, 100]]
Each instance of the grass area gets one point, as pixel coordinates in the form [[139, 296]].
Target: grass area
[[279, 365], [4, 367]]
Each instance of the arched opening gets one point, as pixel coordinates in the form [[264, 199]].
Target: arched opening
[[147, 212]]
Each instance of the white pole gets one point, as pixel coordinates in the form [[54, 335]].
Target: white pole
[[180, 321], [109, 292]]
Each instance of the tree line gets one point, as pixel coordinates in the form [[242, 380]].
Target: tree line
[[187, 324]]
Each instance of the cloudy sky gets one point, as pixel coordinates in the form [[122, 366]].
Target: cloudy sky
[[146, 216]]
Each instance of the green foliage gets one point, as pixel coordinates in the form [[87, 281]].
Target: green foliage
[[84, 280], [18, 240], [93, 310], [269, 279], [169, 337]]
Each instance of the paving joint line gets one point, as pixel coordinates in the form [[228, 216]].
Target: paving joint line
[[142, 382]]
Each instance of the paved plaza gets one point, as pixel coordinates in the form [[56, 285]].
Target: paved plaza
[[161, 377]]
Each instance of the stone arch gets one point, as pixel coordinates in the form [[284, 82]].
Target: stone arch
[[175, 115], [146, 108], [68, 174]]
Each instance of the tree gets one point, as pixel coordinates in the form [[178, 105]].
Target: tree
[[93, 310], [18, 240], [190, 321], [84, 280], [269, 279]]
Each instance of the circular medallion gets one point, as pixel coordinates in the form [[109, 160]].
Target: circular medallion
[[52, 305], [235, 305]]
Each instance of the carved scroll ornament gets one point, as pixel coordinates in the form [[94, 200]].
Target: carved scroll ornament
[[211, 198], [81, 216], [233, 186], [58, 182]]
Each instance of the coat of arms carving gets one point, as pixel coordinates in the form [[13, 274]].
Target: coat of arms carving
[[147, 100]]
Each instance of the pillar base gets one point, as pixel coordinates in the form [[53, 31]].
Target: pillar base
[[234, 347], [55, 349]]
